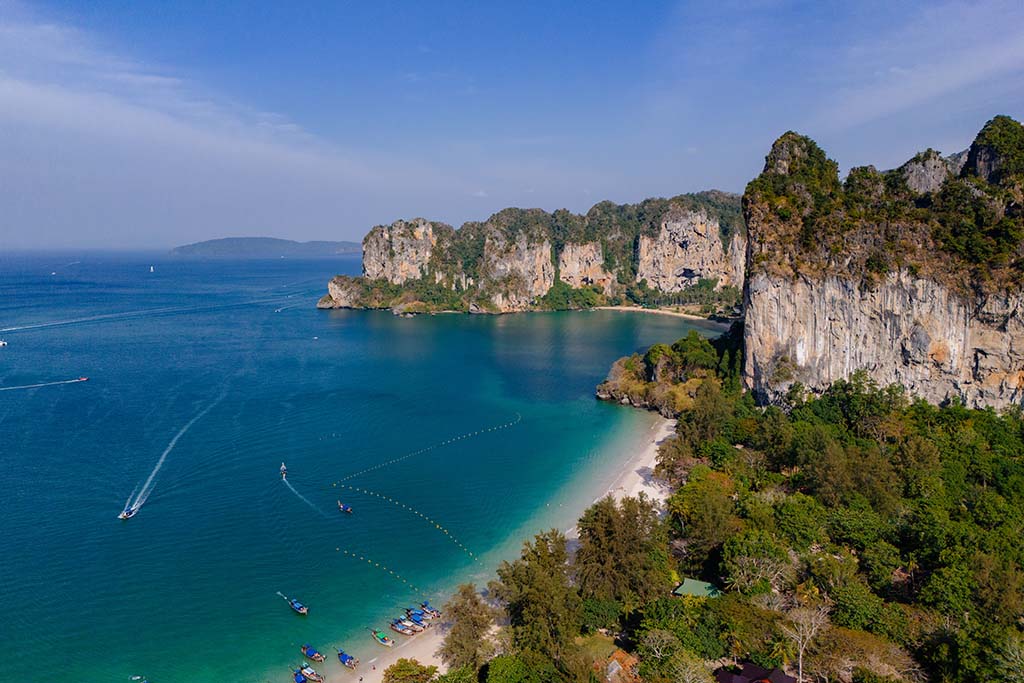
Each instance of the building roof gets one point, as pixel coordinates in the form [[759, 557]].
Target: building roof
[[621, 668], [700, 589]]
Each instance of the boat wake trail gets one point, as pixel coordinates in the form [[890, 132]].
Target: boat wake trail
[[44, 384], [147, 487], [305, 500], [454, 439], [124, 315]]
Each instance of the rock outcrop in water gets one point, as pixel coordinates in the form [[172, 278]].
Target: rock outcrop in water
[[526, 259], [913, 275]]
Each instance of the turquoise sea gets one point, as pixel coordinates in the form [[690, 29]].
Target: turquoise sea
[[226, 369]]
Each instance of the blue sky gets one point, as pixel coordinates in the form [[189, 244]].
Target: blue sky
[[137, 124]]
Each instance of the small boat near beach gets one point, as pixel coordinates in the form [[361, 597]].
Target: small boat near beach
[[382, 638], [398, 627], [416, 618], [430, 610], [412, 624], [311, 653], [347, 659], [344, 508], [310, 674], [298, 677]]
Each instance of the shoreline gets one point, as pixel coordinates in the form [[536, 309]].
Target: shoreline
[[659, 311], [629, 478]]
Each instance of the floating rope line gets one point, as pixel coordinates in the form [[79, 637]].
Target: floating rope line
[[378, 565], [414, 511], [519, 418]]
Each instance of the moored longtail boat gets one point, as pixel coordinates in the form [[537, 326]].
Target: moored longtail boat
[[347, 659], [381, 638], [412, 624], [398, 627], [311, 675], [431, 611], [311, 653]]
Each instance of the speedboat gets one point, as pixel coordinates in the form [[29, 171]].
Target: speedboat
[[381, 638], [344, 508], [128, 512], [412, 624], [83, 378], [284, 471], [3, 343], [311, 675], [347, 659], [311, 653], [297, 606], [398, 627]]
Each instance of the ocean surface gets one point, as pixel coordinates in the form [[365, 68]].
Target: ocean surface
[[453, 437]]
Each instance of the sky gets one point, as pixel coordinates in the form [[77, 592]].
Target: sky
[[146, 125]]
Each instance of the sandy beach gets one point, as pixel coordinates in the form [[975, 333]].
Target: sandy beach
[[421, 647], [655, 311], [637, 474]]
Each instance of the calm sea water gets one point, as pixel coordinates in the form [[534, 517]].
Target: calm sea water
[[496, 416]]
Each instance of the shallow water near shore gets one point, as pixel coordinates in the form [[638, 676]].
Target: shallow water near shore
[[495, 413]]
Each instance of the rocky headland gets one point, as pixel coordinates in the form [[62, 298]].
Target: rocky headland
[[686, 249]]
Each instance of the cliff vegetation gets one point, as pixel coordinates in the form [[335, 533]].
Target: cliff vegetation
[[960, 226]]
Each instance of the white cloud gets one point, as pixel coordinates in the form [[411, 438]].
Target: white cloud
[[938, 52]]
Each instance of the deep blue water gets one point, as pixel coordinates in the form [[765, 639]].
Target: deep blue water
[[187, 590]]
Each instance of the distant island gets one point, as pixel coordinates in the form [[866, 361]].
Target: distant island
[[264, 247]]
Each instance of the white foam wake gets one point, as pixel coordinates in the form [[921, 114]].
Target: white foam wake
[[43, 384], [147, 487]]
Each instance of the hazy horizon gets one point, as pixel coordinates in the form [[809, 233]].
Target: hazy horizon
[[136, 126]]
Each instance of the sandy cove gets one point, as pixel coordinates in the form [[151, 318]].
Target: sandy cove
[[635, 477], [655, 311]]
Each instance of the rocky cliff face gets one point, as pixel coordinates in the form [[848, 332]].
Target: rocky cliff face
[[876, 274], [582, 265], [511, 261], [517, 270], [687, 248], [401, 251], [905, 330]]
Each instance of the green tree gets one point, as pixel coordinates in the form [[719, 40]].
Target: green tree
[[467, 643], [409, 671], [541, 603], [622, 556]]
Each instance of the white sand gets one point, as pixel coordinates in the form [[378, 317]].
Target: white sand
[[421, 647], [638, 473]]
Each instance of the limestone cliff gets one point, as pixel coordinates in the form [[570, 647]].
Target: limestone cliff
[[687, 248], [401, 251], [582, 265], [913, 275], [512, 261]]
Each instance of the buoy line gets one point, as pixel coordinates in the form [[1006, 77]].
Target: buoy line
[[414, 511], [382, 567], [512, 423]]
